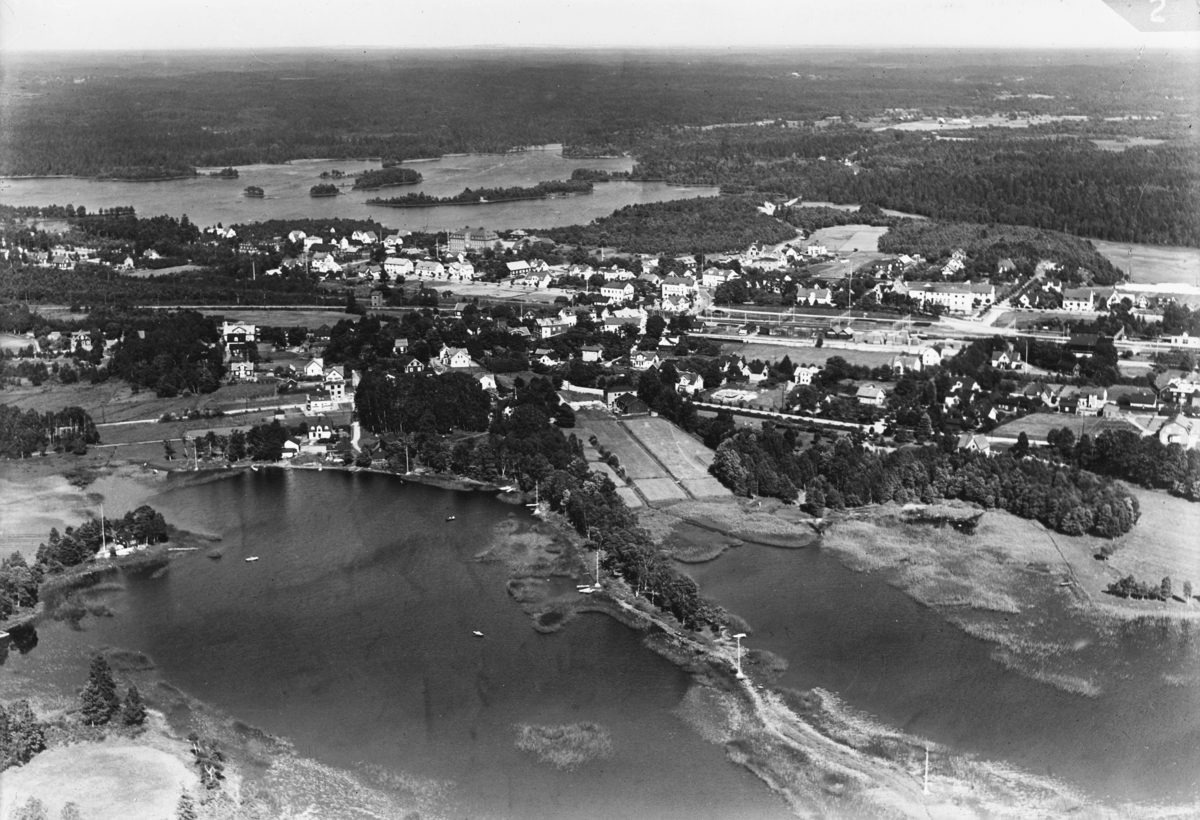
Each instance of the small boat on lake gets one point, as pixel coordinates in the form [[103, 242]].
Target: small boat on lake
[[251, 559], [476, 633], [451, 517]]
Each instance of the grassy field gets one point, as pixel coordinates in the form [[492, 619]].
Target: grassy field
[[114, 780], [768, 352], [311, 319], [662, 462], [113, 400], [1037, 425], [1164, 542], [1153, 264], [844, 239]]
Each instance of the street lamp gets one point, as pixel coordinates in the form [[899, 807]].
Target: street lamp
[[738, 637]]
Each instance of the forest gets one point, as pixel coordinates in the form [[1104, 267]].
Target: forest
[[26, 432], [385, 177], [986, 245], [1143, 194], [170, 353], [476, 196], [843, 474], [1129, 456], [683, 226]]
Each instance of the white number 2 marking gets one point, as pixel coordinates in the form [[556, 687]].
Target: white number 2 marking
[[1156, 12]]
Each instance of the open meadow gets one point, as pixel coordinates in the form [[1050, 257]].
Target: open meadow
[[1037, 425], [769, 352], [1153, 264]]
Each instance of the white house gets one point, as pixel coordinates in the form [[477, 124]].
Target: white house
[[325, 263], [430, 269], [454, 356], [814, 296], [871, 395], [591, 353], [804, 373], [682, 286], [1078, 300], [816, 250], [618, 291], [398, 266], [314, 368], [930, 356], [644, 359]]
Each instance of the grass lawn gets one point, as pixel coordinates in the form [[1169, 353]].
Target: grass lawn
[[311, 319], [1164, 542], [114, 780], [1152, 264], [768, 352], [633, 457], [682, 455], [114, 400], [1037, 425]]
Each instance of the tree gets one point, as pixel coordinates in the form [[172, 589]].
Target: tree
[[1187, 591], [100, 701], [133, 713], [236, 450], [1021, 448], [25, 736], [33, 809], [1165, 588], [924, 428], [168, 450], [70, 811]]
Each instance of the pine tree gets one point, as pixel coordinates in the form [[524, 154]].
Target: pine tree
[[100, 700], [1187, 592], [924, 428], [26, 736], [133, 713], [1165, 588]]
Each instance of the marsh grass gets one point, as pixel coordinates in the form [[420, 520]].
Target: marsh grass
[[567, 746]]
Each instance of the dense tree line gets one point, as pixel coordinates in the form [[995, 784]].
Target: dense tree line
[[475, 196], [75, 545], [170, 353], [986, 245], [704, 225], [388, 402], [385, 177], [165, 234], [25, 432], [840, 475], [22, 735], [1142, 194], [1132, 457]]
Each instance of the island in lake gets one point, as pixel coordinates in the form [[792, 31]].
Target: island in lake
[[325, 189], [386, 177], [488, 196], [225, 173], [254, 191]]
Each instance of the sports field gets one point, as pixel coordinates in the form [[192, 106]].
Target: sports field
[[1037, 425]]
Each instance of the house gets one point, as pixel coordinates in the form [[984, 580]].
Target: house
[[1084, 344], [325, 263], [334, 375], [962, 388], [430, 269], [486, 380], [241, 370], [816, 250], [237, 333], [974, 443], [1180, 430], [1005, 266], [630, 405], [591, 353], [314, 368], [291, 448], [757, 372], [682, 286], [364, 237], [652, 279], [400, 346], [320, 430], [930, 356], [1077, 300], [398, 266], [617, 291], [336, 391], [814, 296], [462, 271], [712, 277], [871, 395], [906, 364], [804, 373], [546, 356], [297, 236], [1006, 360], [550, 327], [1184, 341], [1135, 399], [471, 239], [956, 297], [644, 359], [689, 383], [376, 298], [518, 268], [413, 366], [1091, 401], [454, 356], [127, 264]]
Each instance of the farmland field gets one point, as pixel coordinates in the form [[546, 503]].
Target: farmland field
[[858, 243], [662, 462], [1153, 264], [805, 355], [1164, 540]]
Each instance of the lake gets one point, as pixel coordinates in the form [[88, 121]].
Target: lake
[[881, 652], [352, 636], [208, 200]]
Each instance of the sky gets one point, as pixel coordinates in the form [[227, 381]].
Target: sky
[[39, 25]]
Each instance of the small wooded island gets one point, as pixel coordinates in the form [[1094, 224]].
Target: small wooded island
[[325, 189], [225, 173], [386, 177], [486, 196], [254, 191]]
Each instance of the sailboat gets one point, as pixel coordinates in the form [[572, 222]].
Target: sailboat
[[251, 559], [476, 633]]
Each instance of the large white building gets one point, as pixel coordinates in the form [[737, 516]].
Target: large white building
[[956, 297]]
